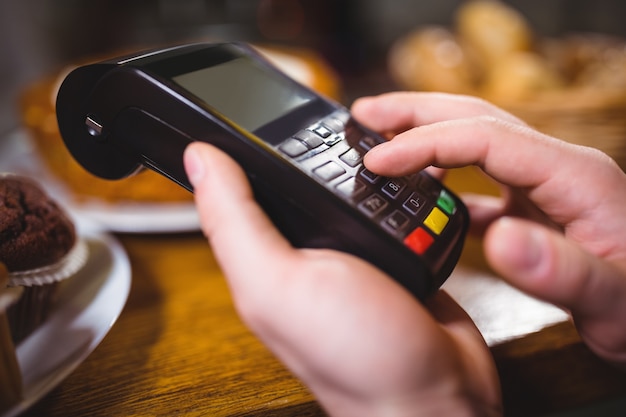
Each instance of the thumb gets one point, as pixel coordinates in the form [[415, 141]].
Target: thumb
[[243, 238], [544, 264]]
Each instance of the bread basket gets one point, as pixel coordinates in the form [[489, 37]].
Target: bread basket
[[572, 86]]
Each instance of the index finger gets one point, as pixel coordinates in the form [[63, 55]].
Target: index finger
[[399, 111], [511, 153]]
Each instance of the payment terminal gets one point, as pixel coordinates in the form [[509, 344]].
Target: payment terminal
[[302, 152]]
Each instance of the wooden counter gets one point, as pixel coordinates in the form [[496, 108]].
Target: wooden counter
[[178, 348]]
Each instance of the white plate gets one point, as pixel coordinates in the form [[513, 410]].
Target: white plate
[[89, 304], [17, 156], [141, 217]]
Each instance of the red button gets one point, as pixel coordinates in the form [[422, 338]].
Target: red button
[[419, 240]]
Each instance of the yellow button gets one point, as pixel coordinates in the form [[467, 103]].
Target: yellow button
[[436, 221]]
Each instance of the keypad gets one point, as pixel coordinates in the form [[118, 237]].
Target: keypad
[[414, 203], [446, 202], [436, 220], [351, 157], [393, 187], [414, 209], [370, 176], [293, 147], [419, 240], [351, 187], [322, 131], [310, 139], [373, 204], [367, 142], [329, 171], [396, 221]]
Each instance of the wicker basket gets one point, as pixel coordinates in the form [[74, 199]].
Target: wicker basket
[[595, 119], [572, 87]]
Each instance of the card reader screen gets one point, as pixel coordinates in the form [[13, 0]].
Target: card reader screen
[[244, 92]]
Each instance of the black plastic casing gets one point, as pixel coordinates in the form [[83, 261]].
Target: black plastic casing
[[146, 120]]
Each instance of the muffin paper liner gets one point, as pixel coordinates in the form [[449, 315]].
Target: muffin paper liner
[[65, 268]]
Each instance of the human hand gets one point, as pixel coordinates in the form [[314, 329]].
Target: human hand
[[558, 232], [356, 338]]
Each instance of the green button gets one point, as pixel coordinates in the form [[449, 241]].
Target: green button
[[446, 202]]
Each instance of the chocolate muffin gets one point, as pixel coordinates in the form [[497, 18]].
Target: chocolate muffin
[[34, 231], [40, 248]]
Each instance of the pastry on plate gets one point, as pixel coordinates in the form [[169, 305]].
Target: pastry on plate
[[39, 247]]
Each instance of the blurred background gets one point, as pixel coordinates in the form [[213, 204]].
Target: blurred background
[[574, 88], [38, 37]]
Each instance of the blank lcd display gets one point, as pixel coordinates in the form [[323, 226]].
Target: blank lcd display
[[244, 92]]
